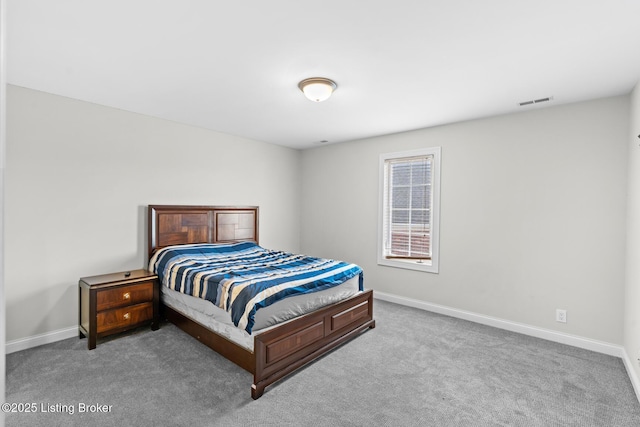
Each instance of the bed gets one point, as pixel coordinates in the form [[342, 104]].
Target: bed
[[269, 349]]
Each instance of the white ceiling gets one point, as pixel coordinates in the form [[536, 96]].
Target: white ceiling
[[234, 66]]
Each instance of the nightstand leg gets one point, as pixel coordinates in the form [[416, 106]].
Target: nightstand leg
[[91, 342]]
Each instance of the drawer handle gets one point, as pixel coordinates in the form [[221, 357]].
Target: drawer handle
[[126, 295], [126, 316]]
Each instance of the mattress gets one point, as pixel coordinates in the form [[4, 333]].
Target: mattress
[[218, 320], [243, 277]]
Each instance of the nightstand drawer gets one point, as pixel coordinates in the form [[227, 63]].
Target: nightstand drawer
[[124, 295], [124, 317]]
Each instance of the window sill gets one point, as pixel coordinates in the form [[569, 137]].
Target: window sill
[[410, 264]]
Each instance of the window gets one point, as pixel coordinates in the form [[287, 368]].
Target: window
[[408, 234]]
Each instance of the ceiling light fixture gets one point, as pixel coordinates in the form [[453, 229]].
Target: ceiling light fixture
[[317, 89]]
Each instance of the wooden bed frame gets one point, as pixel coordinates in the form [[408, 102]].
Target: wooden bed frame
[[278, 351]]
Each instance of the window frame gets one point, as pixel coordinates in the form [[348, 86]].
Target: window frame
[[430, 266]]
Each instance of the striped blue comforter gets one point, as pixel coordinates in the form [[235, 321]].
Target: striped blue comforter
[[243, 277]]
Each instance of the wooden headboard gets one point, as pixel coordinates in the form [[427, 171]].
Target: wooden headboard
[[178, 225]]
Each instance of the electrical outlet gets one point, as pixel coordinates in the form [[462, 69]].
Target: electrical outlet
[[561, 315]]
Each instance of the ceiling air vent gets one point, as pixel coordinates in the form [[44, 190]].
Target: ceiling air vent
[[536, 101]]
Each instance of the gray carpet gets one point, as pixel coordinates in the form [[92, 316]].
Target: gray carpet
[[440, 372]]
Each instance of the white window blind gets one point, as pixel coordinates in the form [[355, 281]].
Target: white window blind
[[407, 211], [409, 215]]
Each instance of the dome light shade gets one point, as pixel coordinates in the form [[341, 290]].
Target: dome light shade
[[317, 89]]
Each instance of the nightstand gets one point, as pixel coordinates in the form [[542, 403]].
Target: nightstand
[[113, 303]]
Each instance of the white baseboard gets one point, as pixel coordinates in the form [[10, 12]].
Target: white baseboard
[[36, 340], [547, 334], [635, 381]]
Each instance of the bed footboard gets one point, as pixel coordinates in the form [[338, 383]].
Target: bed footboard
[[282, 350]]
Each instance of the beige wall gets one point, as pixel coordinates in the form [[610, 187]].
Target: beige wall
[[78, 178], [532, 215], [632, 296], [2, 165], [533, 207]]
